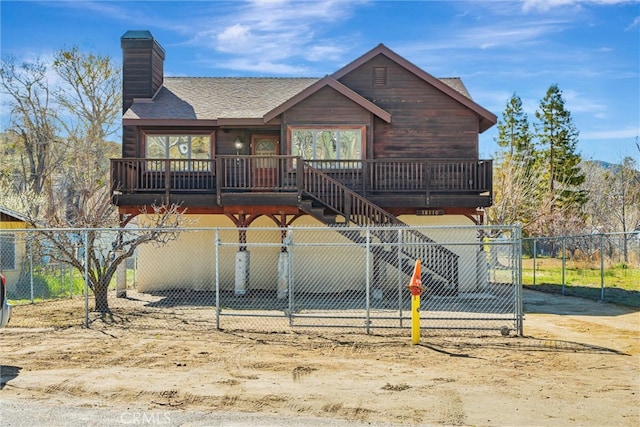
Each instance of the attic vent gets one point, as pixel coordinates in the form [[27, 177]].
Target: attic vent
[[379, 76]]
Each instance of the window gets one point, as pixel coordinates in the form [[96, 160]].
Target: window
[[191, 152], [7, 251], [327, 144]]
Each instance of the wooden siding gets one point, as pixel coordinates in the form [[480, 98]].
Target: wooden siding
[[426, 123], [130, 145], [325, 108], [142, 69]]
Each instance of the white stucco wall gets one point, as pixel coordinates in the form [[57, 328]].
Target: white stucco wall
[[189, 262]]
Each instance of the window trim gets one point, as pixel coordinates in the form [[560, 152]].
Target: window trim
[[176, 133], [361, 128]]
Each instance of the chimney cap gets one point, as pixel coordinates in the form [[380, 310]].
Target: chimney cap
[[137, 34]]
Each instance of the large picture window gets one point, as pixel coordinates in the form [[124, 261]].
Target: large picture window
[[192, 152], [327, 143]]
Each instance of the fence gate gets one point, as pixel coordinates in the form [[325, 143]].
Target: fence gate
[[324, 279]]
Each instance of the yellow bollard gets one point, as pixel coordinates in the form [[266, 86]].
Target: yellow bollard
[[415, 286]]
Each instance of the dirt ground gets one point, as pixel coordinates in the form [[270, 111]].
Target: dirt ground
[[578, 363]]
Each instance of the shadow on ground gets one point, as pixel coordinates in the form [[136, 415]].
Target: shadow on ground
[[7, 373]]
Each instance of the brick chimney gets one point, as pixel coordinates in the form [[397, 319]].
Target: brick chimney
[[142, 66]]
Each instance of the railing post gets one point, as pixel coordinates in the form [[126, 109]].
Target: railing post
[[167, 179], [218, 165], [299, 177], [347, 208], [427, 181], [365, 177]]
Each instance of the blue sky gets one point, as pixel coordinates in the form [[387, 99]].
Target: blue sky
[[590, 48]]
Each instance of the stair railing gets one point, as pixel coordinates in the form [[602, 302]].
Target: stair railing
[[359, 210]]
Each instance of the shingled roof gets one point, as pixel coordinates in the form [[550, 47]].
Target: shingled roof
[[214, 98]]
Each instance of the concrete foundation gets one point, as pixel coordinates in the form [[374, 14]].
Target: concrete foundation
[[121, 280], [283, 275], [242, 272]]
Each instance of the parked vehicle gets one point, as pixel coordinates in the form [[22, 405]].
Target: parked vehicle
[[5, 307]]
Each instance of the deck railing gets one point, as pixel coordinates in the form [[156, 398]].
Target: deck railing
[[281, 174]]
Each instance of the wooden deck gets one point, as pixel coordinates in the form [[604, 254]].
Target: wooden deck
[[282, 180]]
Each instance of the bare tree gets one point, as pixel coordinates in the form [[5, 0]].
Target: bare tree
[[90, 102], [517, 171], [615, 202], [515, 195], [34, 124], [98, 245], [99, 252], [82, 228]]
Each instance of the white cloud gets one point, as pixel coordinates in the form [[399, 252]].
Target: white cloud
[[578, 103], [261, 67], [281, 30], [627, 133], [545, 5], [634, 24], [236, 38]]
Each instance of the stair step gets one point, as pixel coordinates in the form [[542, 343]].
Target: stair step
[[318, 211]]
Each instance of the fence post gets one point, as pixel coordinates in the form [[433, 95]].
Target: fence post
[[518, 258], [563, 264], [400, 274], [31, 268], [217, 267], [368, 281], [86, 278], [291, 278], [601, 267], [535, 254], [62, 274]]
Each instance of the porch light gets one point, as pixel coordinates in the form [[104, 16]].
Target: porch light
[[239, 145]]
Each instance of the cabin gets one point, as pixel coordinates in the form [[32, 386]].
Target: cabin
[[13, 250], [378, 142]]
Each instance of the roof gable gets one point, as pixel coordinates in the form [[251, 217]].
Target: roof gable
[[454, 90], [338, 87], [7, 214], [215, 101]]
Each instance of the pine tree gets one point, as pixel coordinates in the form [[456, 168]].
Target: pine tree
[[513, 129], [516, 170], [557, 139]]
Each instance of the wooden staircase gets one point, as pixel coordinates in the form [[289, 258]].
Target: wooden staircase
[[334, 204]]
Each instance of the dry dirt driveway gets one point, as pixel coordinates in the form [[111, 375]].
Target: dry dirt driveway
[[578, 364]]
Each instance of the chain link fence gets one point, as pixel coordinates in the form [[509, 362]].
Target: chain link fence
[[603, 267], [265, 279]]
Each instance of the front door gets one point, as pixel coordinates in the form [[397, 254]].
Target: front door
[[265, 171]]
